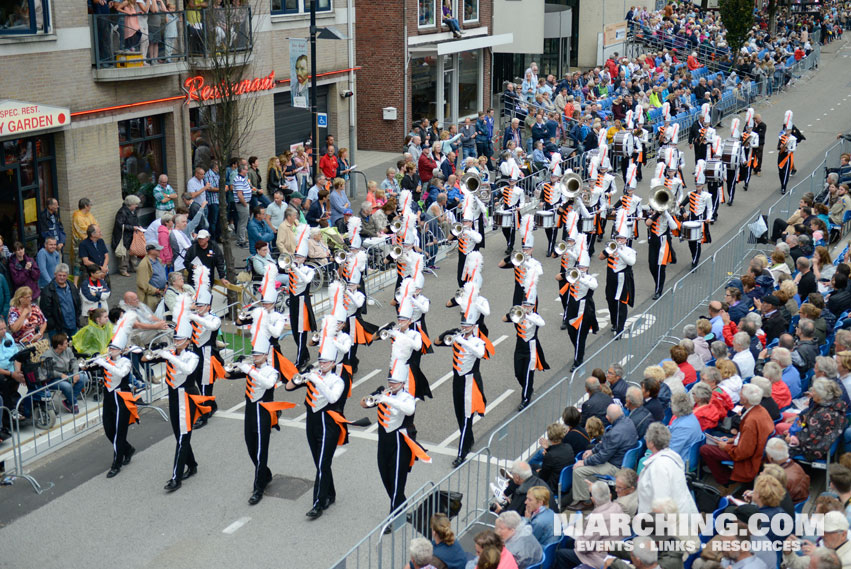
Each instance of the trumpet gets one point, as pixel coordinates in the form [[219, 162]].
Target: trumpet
[[371, 400], [516, 313], [661, 199], [459, 294], [457, 229], [314, 339], [234, 365], [518, 258], [572, 184], [573, 275], [341, 257], [386, 333], [245, 311], [396, 252], [301, 378], [449, 339], [396, 226], [285, 261], [611, 247], [560, 248]]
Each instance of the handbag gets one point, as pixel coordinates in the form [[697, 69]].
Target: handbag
[[137, 247], [443, 501], [120, 249]]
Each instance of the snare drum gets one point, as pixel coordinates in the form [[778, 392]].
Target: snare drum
[[731, 153], [504, 219], [545, 219], [586, 225], [619, 144], [714, 171], [693, 230]]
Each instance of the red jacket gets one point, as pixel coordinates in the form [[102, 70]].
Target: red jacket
[[693, 63], [328, 165], [425, 168], [781, 394], [749, 445], [710, 415], [689, 373]]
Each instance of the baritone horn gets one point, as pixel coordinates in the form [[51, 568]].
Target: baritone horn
[[457, 229], [515, 313], [611, 247], [396, 226], [661, 199], [471, 181], [285, 261], [484, 193], [560, 248], [572, 184], [341, 257], [518, 258], [573, 275], [396, 252]]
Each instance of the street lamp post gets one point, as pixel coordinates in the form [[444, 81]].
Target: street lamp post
[[314, 128]]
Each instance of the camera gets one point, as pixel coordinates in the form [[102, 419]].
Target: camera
[[347, 93]]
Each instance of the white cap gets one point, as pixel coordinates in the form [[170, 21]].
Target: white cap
[[660, 169], [666, 110], [406, 306], [628, 118], [716, 145], [409, 229], [584, 260], [302, 234], [530, 287], [705, 110], [699, 170], [203, 234], [604, 160], [469, 305], [353, 227], [123, 329], [734, 128], [601, 138], [337, 301], [201, 279], [621, 228], [327, 348], [416, 262], [355, 264], [406, 290], [399, 373], [749, 118], [268, 291], [468, 207], [473, 267], [787, 120], [639, 112], [180, 316], [527, 225], [405, 198], [672, 158], [260, 337], [593, 164], [631, 171], [673, 133]]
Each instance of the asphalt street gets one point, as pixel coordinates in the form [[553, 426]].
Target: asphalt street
[[128, 521]]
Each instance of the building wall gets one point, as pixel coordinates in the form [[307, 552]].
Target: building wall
[[593, 16]]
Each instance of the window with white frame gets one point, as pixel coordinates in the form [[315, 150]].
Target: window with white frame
[[470, 11], [427, 13], [298, 6], [24, 17]]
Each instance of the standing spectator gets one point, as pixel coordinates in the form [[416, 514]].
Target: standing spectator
[[126, 224], [343, 165], [389, 184], [286, 231], [313, 192], [319, 211], [179, 241], [47, 259], [483, 141], [339, 201], [164, 196], [328, 163], [301, 168], [208, 254], [664, 464], [274, 176], [211, 179], [426, 165], [254, 178], [24, 270], [197, 187], [26, 320], [259, 228], [468, 139], [50, 225], [151, 280], [197, 215], [80, 221], [275, 210], [94, 291], [163, 233], [411, 181], [60, 303], [242, 197]]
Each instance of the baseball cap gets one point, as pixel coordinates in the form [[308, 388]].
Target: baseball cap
[[156, 246], [347, 211], [297, 195], [771, 299], [835, 521], [203, 234]]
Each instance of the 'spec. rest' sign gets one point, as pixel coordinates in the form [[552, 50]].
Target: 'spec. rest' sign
[[18, 118]]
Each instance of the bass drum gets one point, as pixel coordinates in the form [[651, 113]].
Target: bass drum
[[731, 153], [619, 143], [714, 171]]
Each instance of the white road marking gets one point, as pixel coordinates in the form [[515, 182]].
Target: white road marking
[[500, 340], [372, 428], [339, 451], [642, 242], [832, 109], [236, 407], [625, 359], [368, 376], [236, 525], [490, 407], [440, 381], [771, 152], [809, 125]]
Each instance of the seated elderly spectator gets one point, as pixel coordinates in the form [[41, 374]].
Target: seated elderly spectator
[[586, 548], [317, 250], [663, 464], [827, 368], [680, 356], [673, 377], [742, 356], [652, 386], [26, 320], [540, 516], [779, 390], [517, 535], [706, 409], [834, 552], [556, 454], [606, 457], [703, 340], [746, 449], [60, 363], [626, 484], [639, 414], [597, 402], [738, 308], [421, 553], [522, 478], [797, 481], [616, 381], [791, 376], [576, 436], [805, 352], [595, 429], [176, 286], [286, 231], [767, 496], [685, 427], [773, 322], [821, 423], [694, 360], [447, 552], [719, 352], [767, 400], [731, 382]]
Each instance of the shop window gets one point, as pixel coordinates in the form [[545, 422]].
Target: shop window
[[426, 12], [141, 145], [200, 133], [471, 11], [469, 79], [24, 17], [299, 6], [27, 173], [423, 87]]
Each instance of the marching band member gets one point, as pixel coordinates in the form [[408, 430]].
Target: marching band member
[[660, 251], [733, 173], [551, 196], [266, 324], [568, 260], [596, 206], [302, 321], [580, 314], [513, 199], [568, 215], [342, 340], [606, 185], [467, 387], [356, 327], [397, 447], [527, 264], [698, 207], [205, 331], [261, 409], [628, 208], [620, 282], [716, 188], [677, 158], [698, 134], [326, 428], [528, 354], [786, 146], [470, 296], [468, 240], [405, 342], [662, 135], [670, 178], [119, 404], [750, 142], [185, 404], [476, 209]]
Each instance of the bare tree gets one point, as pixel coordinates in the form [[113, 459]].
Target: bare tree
[[220, 59]]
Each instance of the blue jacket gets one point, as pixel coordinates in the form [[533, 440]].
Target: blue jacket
[[509, 136], [614, 444], [685, 431], [453, 556], [259, 231], [482, 132], [741, 309], [542, 527], [539, 131]]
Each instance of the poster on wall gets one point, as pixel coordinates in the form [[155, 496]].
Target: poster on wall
[[299, 74]]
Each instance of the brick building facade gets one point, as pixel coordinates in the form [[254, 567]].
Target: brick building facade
[[129, 121], [414, 67]]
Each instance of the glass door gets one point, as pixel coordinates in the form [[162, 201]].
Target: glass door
[[450, 93]]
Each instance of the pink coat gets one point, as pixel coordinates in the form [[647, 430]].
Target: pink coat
[[166, 255]]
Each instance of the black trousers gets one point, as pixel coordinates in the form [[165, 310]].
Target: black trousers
[[617, 309], [258, 426], [462, 258], [465, 424], [525, 376], [510, 234], [322, 435], [578, 337], [784, 172], [302, 353], [758, 153], [116, 420], [183, 455], [197, 376], [657, 270], [551, 234], [394, 458], [695, 247], [716, 191], [732, 180]]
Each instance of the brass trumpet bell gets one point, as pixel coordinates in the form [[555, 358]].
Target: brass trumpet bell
[[560, 248], [661, 199]]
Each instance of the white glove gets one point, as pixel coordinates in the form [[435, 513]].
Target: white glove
[[244, 367], [101, 362]]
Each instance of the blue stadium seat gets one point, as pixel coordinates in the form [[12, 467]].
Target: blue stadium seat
[[693, 458], [565, 482]]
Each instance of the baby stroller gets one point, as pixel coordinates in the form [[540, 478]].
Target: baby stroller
[[38, 406]]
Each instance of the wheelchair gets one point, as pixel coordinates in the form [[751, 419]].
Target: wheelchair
[[42, 406]]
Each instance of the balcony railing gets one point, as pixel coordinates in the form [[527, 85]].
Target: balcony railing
[[127, 46]]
